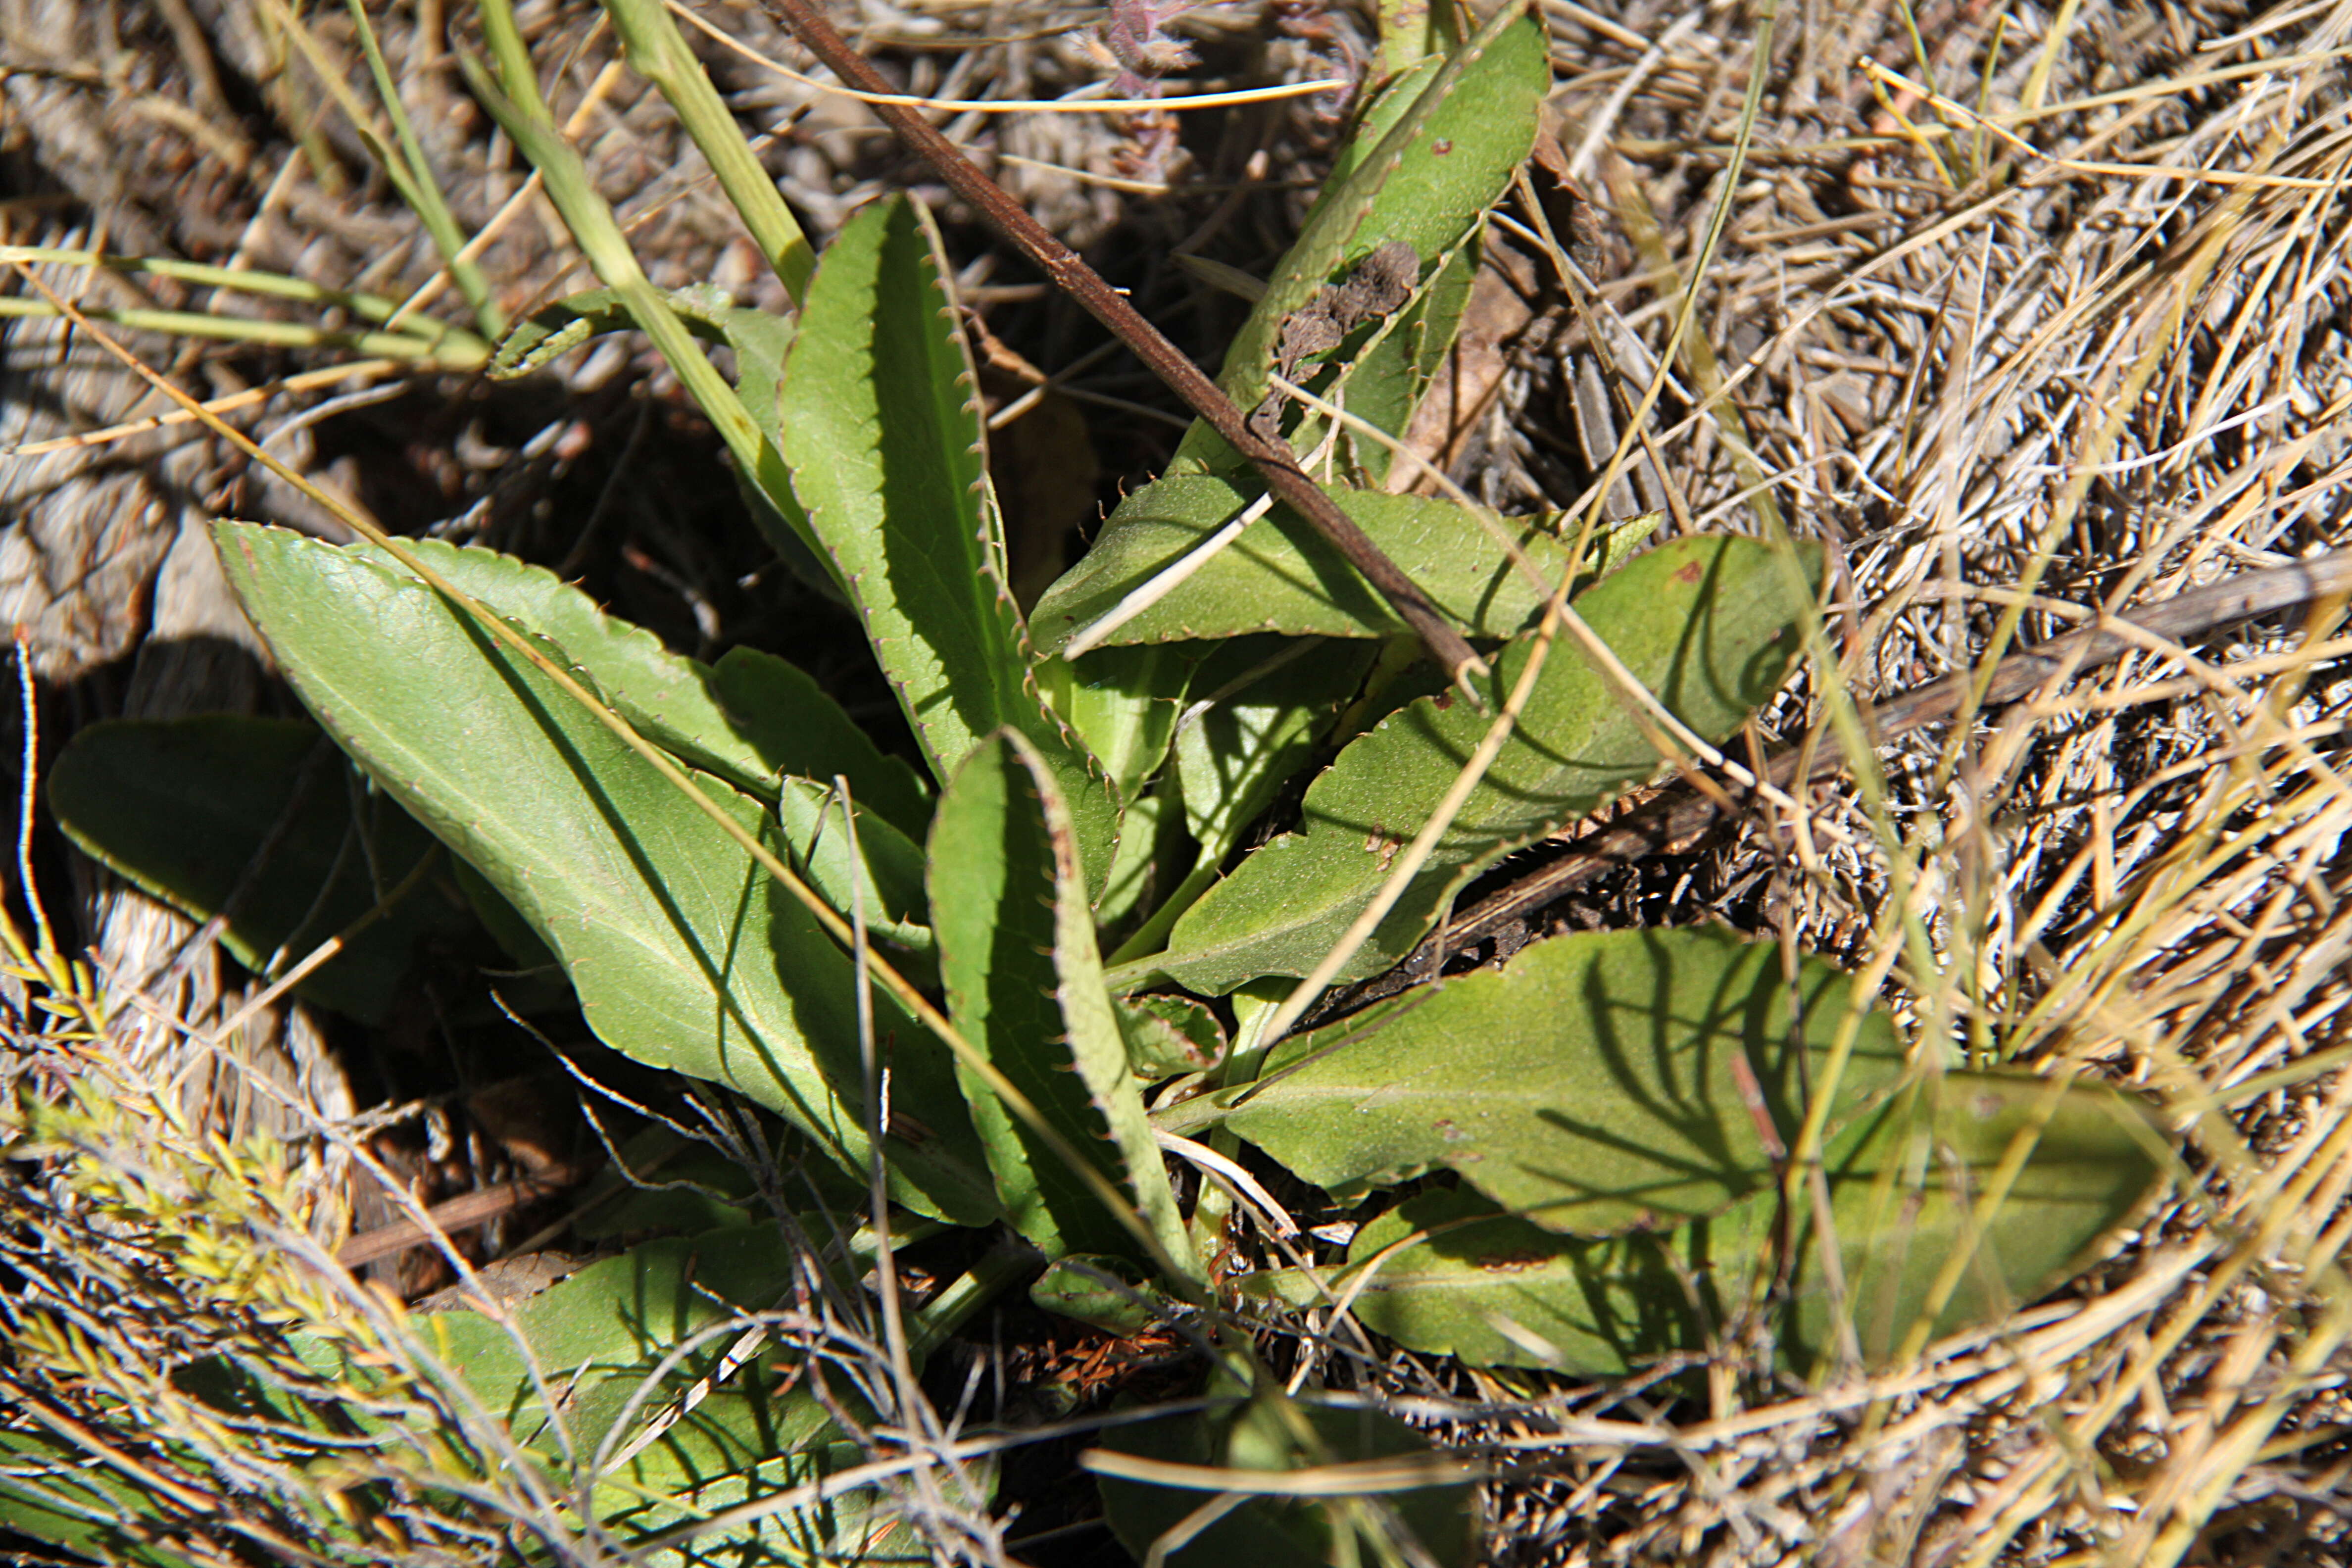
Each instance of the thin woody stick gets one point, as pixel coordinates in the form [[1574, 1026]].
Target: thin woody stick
[[1070, 273]]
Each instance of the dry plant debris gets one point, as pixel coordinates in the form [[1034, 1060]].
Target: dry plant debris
[[2027, 310]]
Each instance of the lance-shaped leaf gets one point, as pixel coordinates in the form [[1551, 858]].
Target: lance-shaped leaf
[[749, 719], [1434, 155], [260, 820], [1906, 1183], [1596, 1082], [1707, 625], [879, 422], [684, 953], [1281, 576], [1025, 984]]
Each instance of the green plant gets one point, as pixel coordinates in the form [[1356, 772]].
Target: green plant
[[1648, 1138]]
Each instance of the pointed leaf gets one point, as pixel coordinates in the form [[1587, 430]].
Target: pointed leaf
[[1281, 576], [1025, 984], [683, 954], [261, 820], [1705, 624], [879, 422], [1124, 702], [1596, 1082]]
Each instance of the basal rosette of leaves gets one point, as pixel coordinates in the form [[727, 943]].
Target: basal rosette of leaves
[[1598, 1125]]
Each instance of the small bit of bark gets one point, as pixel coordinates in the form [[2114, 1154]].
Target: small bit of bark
[[1381, 283]]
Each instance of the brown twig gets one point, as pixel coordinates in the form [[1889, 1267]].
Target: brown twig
[[1679, 819], [1070, 273]]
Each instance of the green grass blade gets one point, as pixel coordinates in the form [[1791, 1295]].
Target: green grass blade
[[660, 55], [422, 192]]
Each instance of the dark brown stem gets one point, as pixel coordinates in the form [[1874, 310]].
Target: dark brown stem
[[1107, 305]]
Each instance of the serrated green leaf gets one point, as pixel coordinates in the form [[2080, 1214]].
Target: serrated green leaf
[[1273, 1532], [1025, 984], [749, 719], [1493, 1290], [1705, 624], [683, 953], [1433, 155], [1596, 1082], [259, 819], [1281, 576], [1123, 702], [879, 422]]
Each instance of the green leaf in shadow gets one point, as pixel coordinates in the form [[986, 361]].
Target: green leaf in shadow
[[1026, 986], [596, 1339], [1235, 753], [1707, 625], [1596, 1082], [259, 819], [684, 953], [1435, 1521]]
